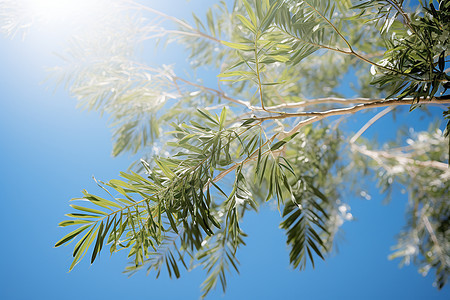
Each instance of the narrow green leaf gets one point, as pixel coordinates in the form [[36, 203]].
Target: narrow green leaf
[[210, 20], [314, 246], [172, 222], [250, 13], [208, 116], [99, 200], [174, 265], [235, 73], [277, 145], [263, 169], [86, 209], [442, 61], [219, 189], [246, 23], [77, 215], [83, 249], [165, 170], [243, 47], [71, 235], [81, 241], [223, 117], [73, 222], [97, 243]]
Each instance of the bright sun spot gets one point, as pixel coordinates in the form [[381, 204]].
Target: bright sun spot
[[65, 11]]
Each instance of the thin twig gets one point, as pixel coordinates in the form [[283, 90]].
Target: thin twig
[[217, 92], [251, 157], [370, 123], [350, 50], [434, 239], [398, 7], [332, 25], [176, 20]]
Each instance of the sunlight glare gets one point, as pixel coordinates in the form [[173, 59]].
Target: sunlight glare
[[65, 11]]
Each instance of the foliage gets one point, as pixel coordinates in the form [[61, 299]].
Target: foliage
[[209, 156], [422, 243]]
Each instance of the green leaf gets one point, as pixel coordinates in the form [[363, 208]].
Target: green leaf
[[247, 23], [243, 47], [223, 117], [73, 222], [99, 200], [248, 122], [71, 235], [172, 221], [97, 246], [78, 215], [86, 209], [82, 251], [166, 170], [210, 20], [198, 22], [80, 243], [235, 73], [250, 12], [207, 115], [262, 173], [277, 145], [280, 58]]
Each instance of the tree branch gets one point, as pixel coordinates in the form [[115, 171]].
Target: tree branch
[[319, 101], [401, 159], [316, 116]]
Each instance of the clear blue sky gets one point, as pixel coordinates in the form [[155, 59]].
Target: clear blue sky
[[48, 152]]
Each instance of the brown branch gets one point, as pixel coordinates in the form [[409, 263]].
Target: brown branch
[[319, 101], [356, 108], [309, 102], [316, 116], [401, 159]]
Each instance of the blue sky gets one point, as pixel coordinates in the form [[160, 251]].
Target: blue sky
[[49, 151]]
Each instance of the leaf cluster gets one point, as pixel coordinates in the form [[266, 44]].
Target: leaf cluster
[[414, 63], [423, 240]]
